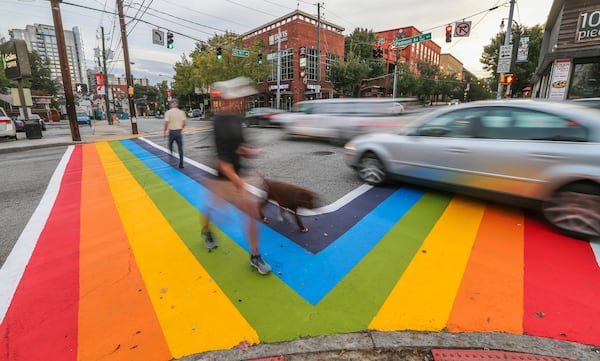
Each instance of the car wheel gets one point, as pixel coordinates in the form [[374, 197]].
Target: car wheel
[[575, 210], [371, 169]]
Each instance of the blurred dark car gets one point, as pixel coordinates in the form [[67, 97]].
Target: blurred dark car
[[19, 124], [33, 118], [262, 117], [536, 154]]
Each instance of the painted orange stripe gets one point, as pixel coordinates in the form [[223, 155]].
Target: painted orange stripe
[[116, 318], [490, 297]]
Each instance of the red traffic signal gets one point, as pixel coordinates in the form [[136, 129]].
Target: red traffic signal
[[448, 33], [509, 78]]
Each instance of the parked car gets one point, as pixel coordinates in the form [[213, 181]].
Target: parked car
[[537, 154], [7, 127], [33, 118], [196, 113], [454, 102], [84, 118], [342, 119], [19, 124], [262, 116]]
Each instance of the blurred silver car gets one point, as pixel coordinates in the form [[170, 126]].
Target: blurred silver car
[[342, 119], [544, 155]]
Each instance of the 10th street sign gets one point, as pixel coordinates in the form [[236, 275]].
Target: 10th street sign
[[412, 40], [238, 52]]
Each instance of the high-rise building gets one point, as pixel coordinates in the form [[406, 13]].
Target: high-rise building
[[42, 39]]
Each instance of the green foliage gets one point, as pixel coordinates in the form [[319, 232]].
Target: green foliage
[[201, 67], [41, 82], [346, 77], [525, 71]]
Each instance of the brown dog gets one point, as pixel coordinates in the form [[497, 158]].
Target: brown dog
[[288, 196]]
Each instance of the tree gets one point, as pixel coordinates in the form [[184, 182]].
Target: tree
[[41, 82], [525, 71], [347, 77]]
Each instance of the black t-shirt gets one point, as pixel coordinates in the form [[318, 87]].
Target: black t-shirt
[[229, 136]]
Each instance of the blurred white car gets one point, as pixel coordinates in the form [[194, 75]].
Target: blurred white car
[[454, 102], [342, 119]]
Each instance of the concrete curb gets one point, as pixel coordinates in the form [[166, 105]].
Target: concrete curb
[[311, 348]]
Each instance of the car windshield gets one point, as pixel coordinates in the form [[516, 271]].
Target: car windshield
[[82, 114]]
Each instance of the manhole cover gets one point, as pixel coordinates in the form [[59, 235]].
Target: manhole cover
[[322, 152]]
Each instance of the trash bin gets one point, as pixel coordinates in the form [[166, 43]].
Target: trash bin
[[33, 130]]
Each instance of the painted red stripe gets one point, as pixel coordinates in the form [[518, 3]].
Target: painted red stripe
[[41, 322], [561, 286]]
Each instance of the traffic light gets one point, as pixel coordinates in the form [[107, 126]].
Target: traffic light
[[219, 52], [170, 42], [260, 58], [377, 51], [509, 78], [448, 33]]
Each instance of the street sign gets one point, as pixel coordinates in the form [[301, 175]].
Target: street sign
[[238, 52], [504, 59], [158, 37], [462, 28], [414, 39]]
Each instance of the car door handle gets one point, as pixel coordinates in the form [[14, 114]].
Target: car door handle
[[458, 150]]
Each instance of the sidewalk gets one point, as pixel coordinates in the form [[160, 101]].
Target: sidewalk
[[59, 134]]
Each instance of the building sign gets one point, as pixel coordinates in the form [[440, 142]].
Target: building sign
[[560, 78], [281, 87], [588, 27], [100, 84], [15, 59], [273, 38]]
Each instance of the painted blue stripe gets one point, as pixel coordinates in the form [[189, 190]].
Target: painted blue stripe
[[311, 276]]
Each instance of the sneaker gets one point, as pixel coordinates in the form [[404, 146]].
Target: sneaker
[[209, 241], [257, 262]]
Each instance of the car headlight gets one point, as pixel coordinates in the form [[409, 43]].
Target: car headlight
[[350, 147]]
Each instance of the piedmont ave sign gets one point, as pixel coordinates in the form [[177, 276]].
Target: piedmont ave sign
[[412, 40]]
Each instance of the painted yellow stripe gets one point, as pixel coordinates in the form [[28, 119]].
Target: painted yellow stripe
[[491, 294], [193, 311], [423, 297], [116, 317]]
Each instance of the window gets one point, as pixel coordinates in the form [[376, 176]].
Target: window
[[329, 61], [585, 82], [530, 125], [311, 64], [287, 65]]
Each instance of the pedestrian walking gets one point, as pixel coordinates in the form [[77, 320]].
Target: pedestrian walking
[[175, 119], [231, 148]]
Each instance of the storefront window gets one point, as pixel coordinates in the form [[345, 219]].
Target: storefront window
[[585, 81], [311, 64]]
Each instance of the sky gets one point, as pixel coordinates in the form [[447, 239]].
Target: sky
[[199, 20]]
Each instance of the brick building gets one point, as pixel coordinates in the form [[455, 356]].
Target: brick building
[[425, 51], [298, 43]]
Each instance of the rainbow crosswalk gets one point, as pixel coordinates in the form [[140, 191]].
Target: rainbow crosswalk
[[111, 266]]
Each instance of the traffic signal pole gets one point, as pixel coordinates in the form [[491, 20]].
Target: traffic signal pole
[[506, 42]]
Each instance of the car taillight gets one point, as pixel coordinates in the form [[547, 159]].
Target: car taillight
[[5, 120]]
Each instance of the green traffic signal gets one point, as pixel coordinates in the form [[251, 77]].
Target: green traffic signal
[[170, 41], [219, 52]]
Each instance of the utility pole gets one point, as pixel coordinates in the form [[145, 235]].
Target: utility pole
[[278, 94], [132, 115], [64, 69], [506, 42], [106, 86]]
